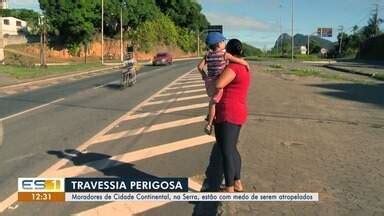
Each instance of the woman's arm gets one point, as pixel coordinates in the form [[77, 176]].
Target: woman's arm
[[225, 78], [237, 60]]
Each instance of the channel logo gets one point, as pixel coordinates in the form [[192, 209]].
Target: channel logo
[[40, 184]]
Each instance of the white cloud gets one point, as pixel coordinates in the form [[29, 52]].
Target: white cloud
[[28, 4], [231, 22]]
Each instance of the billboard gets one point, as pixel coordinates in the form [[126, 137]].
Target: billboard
[[324, 32], [215, 28]]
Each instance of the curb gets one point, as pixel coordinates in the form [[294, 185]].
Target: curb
[[349, 71], [43, 80], [107, 70], [371, 75]]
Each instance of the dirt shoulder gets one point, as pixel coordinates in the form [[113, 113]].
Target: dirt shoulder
[[307, 134]]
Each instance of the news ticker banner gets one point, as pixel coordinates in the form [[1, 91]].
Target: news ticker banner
[[135, 189]]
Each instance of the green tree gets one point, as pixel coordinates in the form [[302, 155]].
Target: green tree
[[165, 30], [159, 31], [72, 23], [373, 27], [186, 40], [250, 50], [135, 12], [185, 13], [145, 36]]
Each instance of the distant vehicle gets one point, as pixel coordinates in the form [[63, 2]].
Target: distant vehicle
[[163, 58]]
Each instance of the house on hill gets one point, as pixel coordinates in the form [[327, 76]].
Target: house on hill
[[12, 30], [3, 4]]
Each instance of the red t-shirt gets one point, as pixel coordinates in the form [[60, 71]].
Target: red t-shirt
[[232, 107]]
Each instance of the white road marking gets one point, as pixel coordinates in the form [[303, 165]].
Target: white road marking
[[131, 208], [129, 157], [189, 82], [32, 109], [187, 86], [19, 157], [10, 92], [169, 110], [13, 198], [177, 100], [181, 92], [152, 128]]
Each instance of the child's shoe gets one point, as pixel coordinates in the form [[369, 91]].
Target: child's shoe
[[208, 129]]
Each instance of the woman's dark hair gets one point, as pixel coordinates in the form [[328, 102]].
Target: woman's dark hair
[[234, 47]]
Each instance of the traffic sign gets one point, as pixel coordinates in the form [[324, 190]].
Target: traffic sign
[[324, 32], [323, 51], [215, 28]]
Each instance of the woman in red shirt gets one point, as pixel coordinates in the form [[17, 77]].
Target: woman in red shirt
[[231, 114]]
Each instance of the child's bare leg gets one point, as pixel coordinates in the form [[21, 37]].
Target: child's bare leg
[[211, 117], [212, 112]]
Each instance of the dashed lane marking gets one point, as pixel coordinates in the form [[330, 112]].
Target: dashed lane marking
[[32, 109]]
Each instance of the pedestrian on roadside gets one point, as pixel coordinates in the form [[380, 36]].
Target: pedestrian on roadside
[[231, 114], [216, 59]]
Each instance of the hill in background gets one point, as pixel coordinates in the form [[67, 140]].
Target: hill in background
[[302, 40]]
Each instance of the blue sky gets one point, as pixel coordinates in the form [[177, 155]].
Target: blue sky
[[257, 21]]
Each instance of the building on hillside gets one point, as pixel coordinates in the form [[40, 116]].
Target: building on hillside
[[3, 4], [12, 25]]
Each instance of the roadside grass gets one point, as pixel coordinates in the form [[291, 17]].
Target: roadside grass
[[308, 57], [379, 76], [310, 72], [253, 58], [276, 66], [20, 72], [303, 72], [284, 58]]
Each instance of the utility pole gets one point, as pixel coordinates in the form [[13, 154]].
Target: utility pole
[[198, 43], [309, 37], [42, 41], [280, 42], [121, 36], [293, 37], [341, 29], [102, 32], [1, 43]]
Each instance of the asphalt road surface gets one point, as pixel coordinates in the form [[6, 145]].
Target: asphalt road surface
[[146, 130], [304, 134]]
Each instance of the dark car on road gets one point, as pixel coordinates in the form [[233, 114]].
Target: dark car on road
[[162, 58]]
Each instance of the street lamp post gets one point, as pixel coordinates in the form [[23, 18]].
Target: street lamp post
[[1, 43], [198, 43], [293, 37], [43, 38], [102, 32], [121, 35], [198, 40], [341, 29]]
